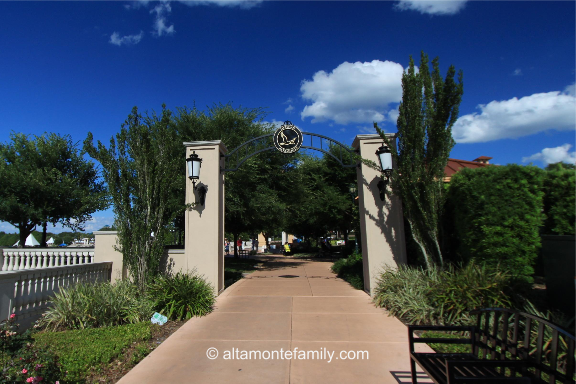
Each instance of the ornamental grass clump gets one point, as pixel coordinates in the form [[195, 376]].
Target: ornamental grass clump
[[87, 305], [182, 296], [443, 297]]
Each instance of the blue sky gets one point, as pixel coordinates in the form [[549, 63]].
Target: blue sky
[[329, 67]]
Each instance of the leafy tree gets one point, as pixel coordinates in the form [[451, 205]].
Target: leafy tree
[[143, 170], [47, 180], [559, 199], [428, 110]]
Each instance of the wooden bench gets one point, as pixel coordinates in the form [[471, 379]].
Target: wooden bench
[[507, 346]]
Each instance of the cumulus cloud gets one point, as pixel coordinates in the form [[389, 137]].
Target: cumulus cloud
[[570, 90], [289, 109], [246, 4], [517, 117], [118, 40], [353, 92], [553, 155], [432, 7]]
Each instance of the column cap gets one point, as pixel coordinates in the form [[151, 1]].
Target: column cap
[[219, 143], [373, 136]]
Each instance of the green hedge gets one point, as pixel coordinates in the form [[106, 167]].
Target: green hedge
[[559, 200], [351, 270], [494, 215]]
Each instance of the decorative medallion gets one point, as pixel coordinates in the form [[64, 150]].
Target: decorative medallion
[[288, 138]]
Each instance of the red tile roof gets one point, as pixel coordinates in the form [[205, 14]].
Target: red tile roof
[[454, 165]]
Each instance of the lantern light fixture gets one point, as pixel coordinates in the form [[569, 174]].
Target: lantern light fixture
[[385, 157], [194, 163]]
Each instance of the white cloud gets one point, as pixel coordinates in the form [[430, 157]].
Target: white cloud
[[517, 117], [517, 72], [432, 7], [160, 23], [125, 40], [553, 155], [353, 92], [570, 90], [289, 109], [246, 4]]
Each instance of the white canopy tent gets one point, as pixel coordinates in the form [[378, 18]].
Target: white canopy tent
[[50, 242], [30, 242]]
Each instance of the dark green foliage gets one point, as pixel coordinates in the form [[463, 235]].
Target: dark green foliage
[[47, 180], [351, 270], [496, 213], [86, 305], [442, 297], [559, 200], [82, 351], [182, 296], [429, 109]]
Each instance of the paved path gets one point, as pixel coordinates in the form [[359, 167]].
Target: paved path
[[291, 305]]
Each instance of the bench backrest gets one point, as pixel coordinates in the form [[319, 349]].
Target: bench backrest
[[508, 334]]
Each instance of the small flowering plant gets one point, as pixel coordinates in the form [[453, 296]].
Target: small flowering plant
[[21, 361]]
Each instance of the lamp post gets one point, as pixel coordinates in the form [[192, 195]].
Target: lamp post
[[385, 157]]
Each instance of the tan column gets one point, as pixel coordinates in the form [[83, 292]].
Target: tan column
[[104, 243], [205, 223], [381, 222]]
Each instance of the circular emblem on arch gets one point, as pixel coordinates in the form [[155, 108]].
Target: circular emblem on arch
[[288, 138]]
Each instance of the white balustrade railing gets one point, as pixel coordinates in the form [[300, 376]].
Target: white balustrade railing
[[20, 259], [26, 292]]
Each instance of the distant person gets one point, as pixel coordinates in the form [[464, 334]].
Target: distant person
[[255, 244], [227, 247], [239, 244], [286, 249]]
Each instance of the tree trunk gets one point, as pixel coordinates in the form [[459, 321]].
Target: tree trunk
[[43, 241], [24, 231], [267, 242]]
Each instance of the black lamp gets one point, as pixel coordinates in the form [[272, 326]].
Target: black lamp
[[385, 156], [194, 163]]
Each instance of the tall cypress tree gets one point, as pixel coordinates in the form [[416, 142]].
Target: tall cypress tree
[[428, 110]]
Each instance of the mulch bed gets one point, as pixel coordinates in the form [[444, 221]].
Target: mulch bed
[[114, 371]]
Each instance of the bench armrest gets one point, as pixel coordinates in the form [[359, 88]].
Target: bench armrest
[[413, 340]]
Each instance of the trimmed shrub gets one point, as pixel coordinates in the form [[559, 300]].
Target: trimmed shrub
[[182, 296], [559, 200], [81, 352], [495, 214], [86, 305], [351, 270], [433, 296]]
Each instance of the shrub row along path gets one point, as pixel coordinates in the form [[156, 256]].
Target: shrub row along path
[[289, 305]]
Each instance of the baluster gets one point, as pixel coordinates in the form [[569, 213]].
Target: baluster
[[50, 259], [42, 261], [27, 260], [67, 254], [33, 256], [7, 262], [91, 257], [21, 260]]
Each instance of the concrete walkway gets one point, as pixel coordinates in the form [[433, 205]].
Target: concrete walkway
[[291, 305]]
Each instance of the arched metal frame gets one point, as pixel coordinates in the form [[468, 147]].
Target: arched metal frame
[[264, 143]]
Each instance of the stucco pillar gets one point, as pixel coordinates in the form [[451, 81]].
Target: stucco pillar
[[104, 243], [204, 224], [381, 222]]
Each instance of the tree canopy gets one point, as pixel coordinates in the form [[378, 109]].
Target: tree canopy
[[46, 179]]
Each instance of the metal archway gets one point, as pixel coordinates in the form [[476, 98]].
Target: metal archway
[[321, 143]]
